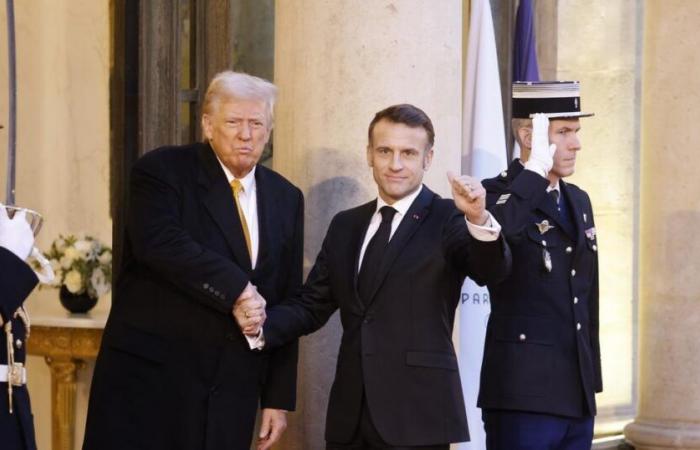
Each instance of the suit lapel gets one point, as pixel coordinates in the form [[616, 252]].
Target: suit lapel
[[414, 217], [218, 199], [267, 216]]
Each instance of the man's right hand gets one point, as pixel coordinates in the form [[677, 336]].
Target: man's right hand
[[249, 311], [541, 157], [16, 234]]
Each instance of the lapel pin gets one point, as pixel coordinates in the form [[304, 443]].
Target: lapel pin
[[544, 226]]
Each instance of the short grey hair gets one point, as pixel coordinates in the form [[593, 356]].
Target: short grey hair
[[228, 85]]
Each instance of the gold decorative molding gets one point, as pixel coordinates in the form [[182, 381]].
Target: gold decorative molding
[[64, 349]]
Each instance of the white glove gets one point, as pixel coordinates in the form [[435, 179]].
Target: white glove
[[15, 234], [542, 153]]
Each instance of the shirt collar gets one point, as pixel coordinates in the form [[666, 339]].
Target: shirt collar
[[553, 188], [401, 206], [248, 181]]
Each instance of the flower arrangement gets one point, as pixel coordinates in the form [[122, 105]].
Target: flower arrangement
[[82, 264]]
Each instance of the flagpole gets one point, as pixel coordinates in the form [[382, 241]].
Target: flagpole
[[12, 111]]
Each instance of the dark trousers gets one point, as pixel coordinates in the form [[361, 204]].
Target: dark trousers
[[16, 429], [367, 437], [515, 430]]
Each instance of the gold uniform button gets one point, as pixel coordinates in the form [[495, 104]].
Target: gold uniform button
[[573, 272], [575, 300], [544, 243], [569, 249], [18, 343], [522, 337], [595, 248], [578, 326]]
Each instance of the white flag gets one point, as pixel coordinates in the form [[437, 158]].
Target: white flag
[[483, 156]]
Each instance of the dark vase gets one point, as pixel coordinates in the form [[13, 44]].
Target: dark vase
[[76, 303]]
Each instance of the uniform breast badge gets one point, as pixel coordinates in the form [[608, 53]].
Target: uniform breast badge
[[544, 226]]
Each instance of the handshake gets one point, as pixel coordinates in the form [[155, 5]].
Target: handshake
[[249, 311]]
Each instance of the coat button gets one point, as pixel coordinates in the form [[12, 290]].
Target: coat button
[[595, 248], [522, 337], [504, 174], [205, 285], [575, 300], [544, 243], [573, 272], [578, 326], [569, 249], [18, 343]]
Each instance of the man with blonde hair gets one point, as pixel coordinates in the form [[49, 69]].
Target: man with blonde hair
[[206, 224]]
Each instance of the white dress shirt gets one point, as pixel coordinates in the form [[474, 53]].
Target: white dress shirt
[[248, 199]]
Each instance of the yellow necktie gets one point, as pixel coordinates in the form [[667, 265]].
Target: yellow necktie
[[237, 189]]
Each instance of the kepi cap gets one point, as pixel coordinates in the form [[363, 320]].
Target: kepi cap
[[555, 99]]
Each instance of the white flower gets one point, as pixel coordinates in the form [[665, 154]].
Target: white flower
[[66, 262], [58, 275], [99, 282], [55, 264], [106, 257], [74, 281], [70, 255], [84, 248], [60, 244]]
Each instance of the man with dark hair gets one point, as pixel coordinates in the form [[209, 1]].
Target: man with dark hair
[[541, 366], [394, 267]]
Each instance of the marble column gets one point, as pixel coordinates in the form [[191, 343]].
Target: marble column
[[336, 64], [669, 407]]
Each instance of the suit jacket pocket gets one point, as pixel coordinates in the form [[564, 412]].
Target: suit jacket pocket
[[136, 342], [432, 359], [521, 355]]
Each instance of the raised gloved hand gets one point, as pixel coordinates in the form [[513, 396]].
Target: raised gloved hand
[[542, 153], [15, 234]]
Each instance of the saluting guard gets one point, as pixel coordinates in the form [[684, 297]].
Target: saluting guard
[[541, 366]]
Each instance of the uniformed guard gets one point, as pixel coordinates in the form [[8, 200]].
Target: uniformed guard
[[541, 366], [17, 280]]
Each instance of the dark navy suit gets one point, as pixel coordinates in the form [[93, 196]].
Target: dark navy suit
[[396, 349], [542, 351], [17, 280]]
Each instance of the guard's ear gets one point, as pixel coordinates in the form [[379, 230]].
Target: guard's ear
[[525, 136]]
